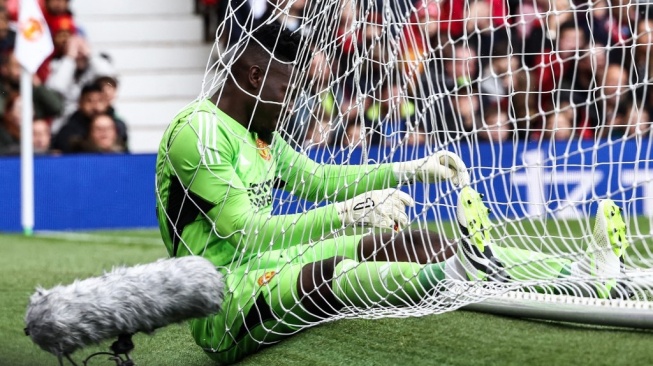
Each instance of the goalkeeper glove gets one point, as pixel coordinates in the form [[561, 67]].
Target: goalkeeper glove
[[383, 208], [437, 167]]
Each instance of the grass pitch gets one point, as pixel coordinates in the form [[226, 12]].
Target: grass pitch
[[455, 338]]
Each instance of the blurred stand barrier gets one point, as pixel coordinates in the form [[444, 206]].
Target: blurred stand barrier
[[82, 192], [526, 178], [533, 179]]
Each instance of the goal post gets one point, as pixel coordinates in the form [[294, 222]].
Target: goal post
[[547, 103]]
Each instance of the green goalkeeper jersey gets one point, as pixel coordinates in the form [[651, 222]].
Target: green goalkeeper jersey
[[215, 182]]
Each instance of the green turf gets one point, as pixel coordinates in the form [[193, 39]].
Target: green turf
[[457, 338]]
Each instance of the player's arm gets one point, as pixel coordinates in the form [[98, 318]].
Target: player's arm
[[202, 159], [205, 168], [316, 182]]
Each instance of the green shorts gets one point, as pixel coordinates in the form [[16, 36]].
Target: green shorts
[[261, 303]]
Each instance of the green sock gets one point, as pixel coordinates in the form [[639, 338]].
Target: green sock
[[369, 284]]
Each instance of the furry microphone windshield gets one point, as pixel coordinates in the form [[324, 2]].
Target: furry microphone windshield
[[125, 300]]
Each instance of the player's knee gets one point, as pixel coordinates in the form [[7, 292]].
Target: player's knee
[[314, 287], [316, 274]]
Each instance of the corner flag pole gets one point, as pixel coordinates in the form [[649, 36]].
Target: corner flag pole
[[33, 46], [26, 154]]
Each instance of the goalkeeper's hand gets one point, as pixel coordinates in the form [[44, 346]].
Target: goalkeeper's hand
[[383, 208], [440, 166]]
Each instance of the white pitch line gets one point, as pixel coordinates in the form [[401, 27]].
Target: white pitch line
[[84, 237]]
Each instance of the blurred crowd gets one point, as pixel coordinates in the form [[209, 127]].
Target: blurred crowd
[[73, 90], [410, 71]]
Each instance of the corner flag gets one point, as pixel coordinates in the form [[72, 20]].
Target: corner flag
[[33, 39]]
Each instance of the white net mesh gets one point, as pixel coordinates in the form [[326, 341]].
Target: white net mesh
[[546, 102]]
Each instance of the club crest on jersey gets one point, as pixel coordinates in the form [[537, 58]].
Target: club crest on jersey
[[263, 149], [265, 279]]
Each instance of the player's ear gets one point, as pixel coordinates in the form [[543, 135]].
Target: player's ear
[[255, 76]]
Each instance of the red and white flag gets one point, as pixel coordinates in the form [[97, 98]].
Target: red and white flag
[[33, 39]]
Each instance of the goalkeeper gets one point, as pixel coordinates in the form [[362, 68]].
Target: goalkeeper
[[217, 165]]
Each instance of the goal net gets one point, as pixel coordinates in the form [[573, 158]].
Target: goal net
[[546, 102]]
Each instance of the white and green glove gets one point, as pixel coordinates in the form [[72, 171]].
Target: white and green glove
[[443, 165], [383, 208]]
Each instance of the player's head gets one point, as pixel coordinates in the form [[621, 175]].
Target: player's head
[[263, 74]]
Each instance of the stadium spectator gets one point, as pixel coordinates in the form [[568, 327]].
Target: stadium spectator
[[560, 125], [10, 126], [109, 87], [59, 9], [588, 73], [416, 135], [91, 103], [614, 23], [346, 33], [613, 90], [41, 136], [102, 136], [549, 67], [630, 119], [374, 40], [453, 77], [555, 70], [604, 100], [571, 42], [497, 80], [580, 83], [420, 36], [622, 15], [208, 9], [70, 72], [537, 27], [320, 132], [465, 107], [460, 66], [548, 71], [319, 97], [53, 8], [495, 124], [290, 14], [239, 14], [435, 24], [643, 44], [62, 27], [348, 38], [12, 9], [447, 116], [479, 17], [10, 133], [356, 136], [642, 53], [389, 116], [48, 103], [449, 14], [487, 25], [595, 20], [7, 35], [248, 14]]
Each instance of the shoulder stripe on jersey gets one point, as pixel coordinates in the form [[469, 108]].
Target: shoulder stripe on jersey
[[207, 142], [206, 139]]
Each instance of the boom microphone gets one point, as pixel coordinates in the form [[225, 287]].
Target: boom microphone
[[123, 301]]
